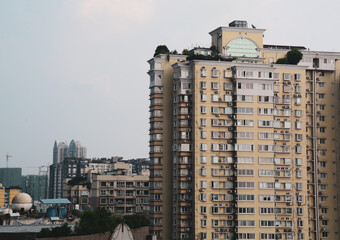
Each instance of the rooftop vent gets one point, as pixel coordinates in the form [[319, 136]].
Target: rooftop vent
[[238, 24]]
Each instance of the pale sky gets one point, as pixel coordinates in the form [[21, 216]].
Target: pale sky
[[76, 69]]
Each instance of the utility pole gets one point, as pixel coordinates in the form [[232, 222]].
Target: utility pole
[[7, 157]]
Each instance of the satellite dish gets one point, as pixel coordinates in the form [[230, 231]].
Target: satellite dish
[[253, 26]]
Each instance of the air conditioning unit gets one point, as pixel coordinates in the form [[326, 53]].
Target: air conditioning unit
[[218, 115], [216, 92]]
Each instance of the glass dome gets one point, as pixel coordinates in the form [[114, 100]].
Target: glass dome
[[242, 47]]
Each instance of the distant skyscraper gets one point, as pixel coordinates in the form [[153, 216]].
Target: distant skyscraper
[[76, 150], [62, 150]]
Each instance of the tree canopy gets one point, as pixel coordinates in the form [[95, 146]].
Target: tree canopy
[[161, 49], [98, 221], [61, 231], [292, 57]]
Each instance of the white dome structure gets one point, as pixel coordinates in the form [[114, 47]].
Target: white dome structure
[[22, 201]]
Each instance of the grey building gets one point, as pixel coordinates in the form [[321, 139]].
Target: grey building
[[10, 176], [36, 186]]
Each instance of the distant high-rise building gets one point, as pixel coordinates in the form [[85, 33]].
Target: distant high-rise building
[[63, 150], [242, 147], [60, 152], [10, 177], [76, 150], [36, 186]]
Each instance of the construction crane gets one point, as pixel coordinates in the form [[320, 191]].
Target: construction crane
[[7, 157]]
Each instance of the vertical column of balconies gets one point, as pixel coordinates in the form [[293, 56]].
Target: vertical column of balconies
[[156, 146], [182, 153], [290, 164], [284, 193]]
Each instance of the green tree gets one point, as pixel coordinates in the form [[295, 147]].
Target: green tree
[[161, 49], [294, 56], [281, 61], [136, 221], [214, 51], [185, 52], [63, 230], [98, 221]]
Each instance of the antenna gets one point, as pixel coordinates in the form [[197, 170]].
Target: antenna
[[7, 157]]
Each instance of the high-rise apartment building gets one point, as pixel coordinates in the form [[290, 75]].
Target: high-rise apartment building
[[241, 147]]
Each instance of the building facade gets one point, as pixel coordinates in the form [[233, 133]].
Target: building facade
[[7, 194], [36, 186], [10, 176], [120, 194], [241, 147]]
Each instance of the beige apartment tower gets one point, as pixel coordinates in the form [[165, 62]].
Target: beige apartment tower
[[241, 147]]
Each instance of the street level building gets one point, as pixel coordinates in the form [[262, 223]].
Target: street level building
[[241, 147]]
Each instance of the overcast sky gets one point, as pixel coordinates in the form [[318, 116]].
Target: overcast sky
[[77, 69]]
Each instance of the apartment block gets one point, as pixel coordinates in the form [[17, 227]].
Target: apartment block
[[7, 194], [120, 194], [241, 147]]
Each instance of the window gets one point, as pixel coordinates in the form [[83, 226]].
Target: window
[[266, 198], [228, 86], [214, 85], [245, 86], [322, 107], [203, 223], [321, 84], [214, 73], [241, 47], [203, 197], [286, 76], [321, 95], [203, 209], [246, 160], [323, 175], [203, 146], [203, 122], [203, 72], [322, 129], [246, 223], [322, 141], [297, 77], [246, 210], [203, 109], [249, 185], [203, 134], [245, 110], [203, 97], [203, 159], [203, 85], [245, 172], [322, 118], [245, 197]]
